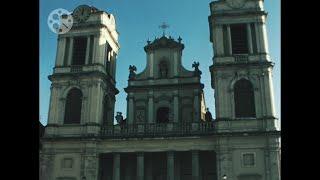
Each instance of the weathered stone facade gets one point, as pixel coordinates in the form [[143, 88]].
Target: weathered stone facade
[[147, 146], [165, 83]]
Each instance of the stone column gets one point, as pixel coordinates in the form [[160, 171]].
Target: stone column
[[249, 38], [269, 96], [176, 62], [95, 102], [96, 49], [130, 115], [176, 107], [170, 165], [87, 50], [116, 166], [101, 50], [70, 52], [218, 38], [93, 53], [265, 37], [113, 64], [275, 165], [151, 62], [140, 166], [54, 108], [261, 36], [50, 112], [229, 40], [196, 106], [60, 51], [223, 164], [195, 165], [274, 158], [150, 108]]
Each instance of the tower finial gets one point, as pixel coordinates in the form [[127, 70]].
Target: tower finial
[[179, 39], [164, 26]]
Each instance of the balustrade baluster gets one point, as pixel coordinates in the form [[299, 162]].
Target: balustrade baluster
[[157, 129]]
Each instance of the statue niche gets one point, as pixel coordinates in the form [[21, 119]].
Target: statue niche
[[163, 69]]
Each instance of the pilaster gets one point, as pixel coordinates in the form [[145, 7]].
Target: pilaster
[[170, 165], [249, 38], [195, 165], [116, 166], [140, 166], [176, 107], [87, 50], [130, 116], [151, 107], [70, 51], [229, 40], [60, 51]]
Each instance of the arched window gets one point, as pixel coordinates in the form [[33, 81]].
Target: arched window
[[163, 69], [73, 107], [163, 115], [244, 99]]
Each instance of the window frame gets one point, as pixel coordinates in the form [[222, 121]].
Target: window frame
[[240, 35], [70, 122], [254, 159], [240, 103], [76, 49]]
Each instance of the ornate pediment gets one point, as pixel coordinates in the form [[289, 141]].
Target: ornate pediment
[[163, 42]]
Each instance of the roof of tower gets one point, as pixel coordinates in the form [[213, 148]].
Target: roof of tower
[[164, 42], [94, 9]]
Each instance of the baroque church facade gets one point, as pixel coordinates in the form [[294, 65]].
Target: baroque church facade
[[166, 135]]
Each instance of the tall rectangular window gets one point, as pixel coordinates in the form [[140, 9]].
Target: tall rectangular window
[[254, 38], [79, 50], [66, 52], [108, 57], [91, 48], [239, 38], [225, 40]]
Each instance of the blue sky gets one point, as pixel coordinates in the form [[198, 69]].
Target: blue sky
[[138, 20]]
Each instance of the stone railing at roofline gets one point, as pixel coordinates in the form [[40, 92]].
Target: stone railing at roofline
[[240, 58], [158, 129], [76, 68]]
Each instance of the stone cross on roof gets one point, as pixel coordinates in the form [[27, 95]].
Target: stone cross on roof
[[164, 26]]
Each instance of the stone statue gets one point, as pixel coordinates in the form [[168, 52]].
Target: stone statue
[[132, 74], [208, 116], [163, 69], [197, 72], [119, 117]]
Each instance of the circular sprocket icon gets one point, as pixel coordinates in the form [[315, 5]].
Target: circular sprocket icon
[[60, 21]]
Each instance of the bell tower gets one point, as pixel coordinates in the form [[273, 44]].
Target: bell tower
[[83, 85], [241, 74]]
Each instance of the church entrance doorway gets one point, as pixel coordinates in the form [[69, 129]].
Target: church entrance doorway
[[163, 115]]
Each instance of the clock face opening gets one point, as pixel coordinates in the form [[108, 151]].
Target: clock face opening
[[81, 13]]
